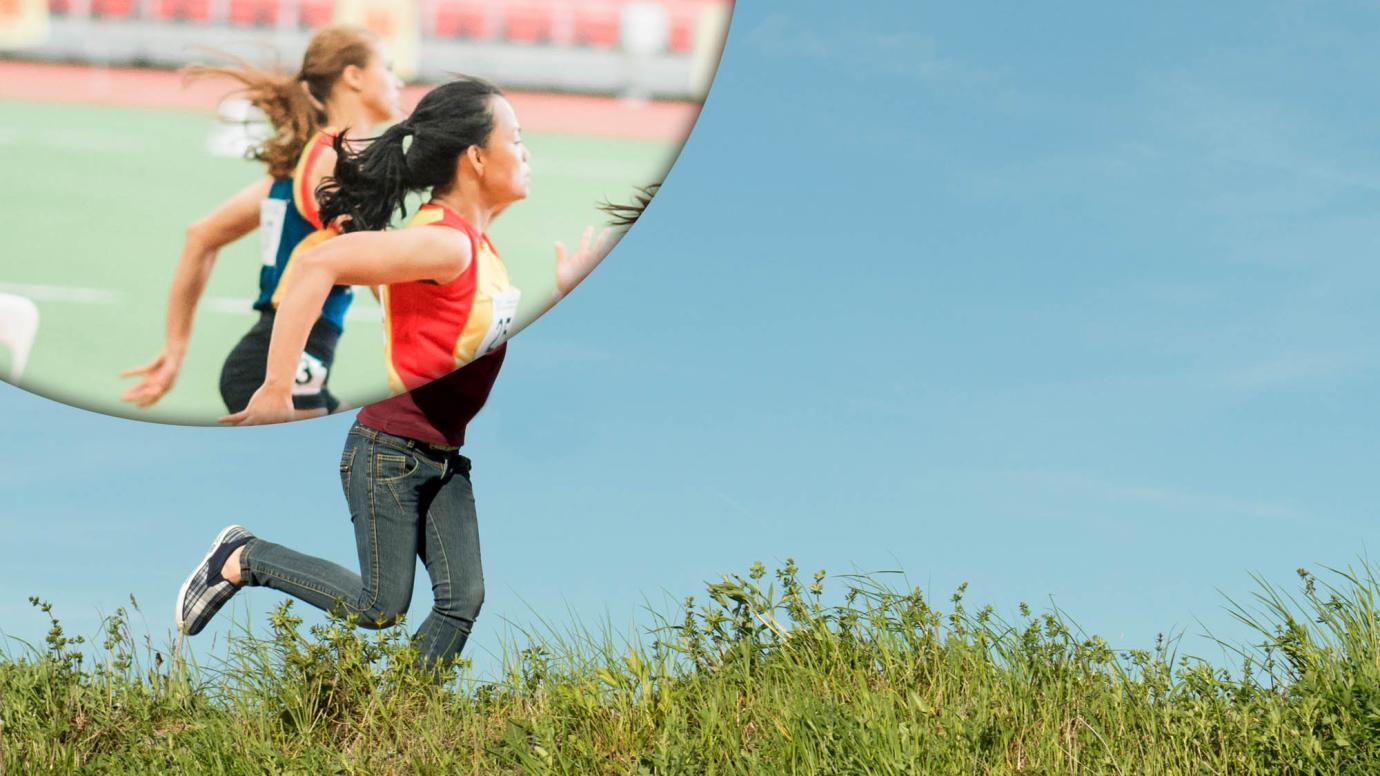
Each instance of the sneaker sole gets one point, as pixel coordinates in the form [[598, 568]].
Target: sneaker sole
[[181, 603]]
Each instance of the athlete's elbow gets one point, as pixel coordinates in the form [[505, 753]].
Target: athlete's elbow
[[449, 269], [317, 263], [199, 236]]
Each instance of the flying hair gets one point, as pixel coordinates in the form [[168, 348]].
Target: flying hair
[[622, 214], [295, 104], [372, 184]]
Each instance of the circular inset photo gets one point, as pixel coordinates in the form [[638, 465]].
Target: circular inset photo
[[269, 210]]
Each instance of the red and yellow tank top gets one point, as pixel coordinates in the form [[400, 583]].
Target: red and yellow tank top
[[431, 329]]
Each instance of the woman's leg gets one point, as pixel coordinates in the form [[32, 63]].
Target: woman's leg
[[387, 489], [243, 370], [311, 395], [450, 550]]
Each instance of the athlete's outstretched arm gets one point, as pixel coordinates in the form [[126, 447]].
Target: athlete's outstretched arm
[[358, 258], [574, 268], [571, 269], [235, 218]]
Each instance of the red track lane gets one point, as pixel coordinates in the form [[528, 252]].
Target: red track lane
[[133, 87]]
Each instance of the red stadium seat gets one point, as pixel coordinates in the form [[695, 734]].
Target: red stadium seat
[[683, 14], [527, 21], [112, 8], [183, 10], [563, 23], [59, 7], [464, 19], [315, 13], [597, 23], [259, 13]]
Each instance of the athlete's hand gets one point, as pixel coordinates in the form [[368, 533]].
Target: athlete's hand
[[267, 405], [572, 269], [158, 378]]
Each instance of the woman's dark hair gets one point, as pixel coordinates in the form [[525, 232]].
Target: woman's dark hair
[[295, 104], [627, 215], [370, 185]]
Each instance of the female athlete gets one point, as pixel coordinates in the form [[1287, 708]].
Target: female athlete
[[346, 80], [448, 303]]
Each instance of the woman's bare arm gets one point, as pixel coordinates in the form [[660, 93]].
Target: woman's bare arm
[[232, 220], [359, 258]]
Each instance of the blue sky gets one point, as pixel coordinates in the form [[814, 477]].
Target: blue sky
[[1074, 305]]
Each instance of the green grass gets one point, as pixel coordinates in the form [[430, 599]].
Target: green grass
[[763, 678], [99, 198]]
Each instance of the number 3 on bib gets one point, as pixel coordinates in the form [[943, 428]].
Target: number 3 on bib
[[311, 376]]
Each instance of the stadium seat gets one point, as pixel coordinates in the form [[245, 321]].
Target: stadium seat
[[114, 9], [464, 19], [527, 21], [597, 23], [258, 13], [183, 10], [563, 23], [683, 15], [59, 7], [315, 13]]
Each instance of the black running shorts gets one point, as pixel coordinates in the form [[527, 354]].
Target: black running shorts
[[244, 368]]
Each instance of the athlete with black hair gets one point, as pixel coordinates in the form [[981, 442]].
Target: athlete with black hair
[[448, 305]]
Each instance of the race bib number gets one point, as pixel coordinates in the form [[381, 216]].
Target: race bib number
[[311, 376], [272, 213], [505, 307]]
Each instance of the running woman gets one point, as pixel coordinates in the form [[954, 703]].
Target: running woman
[[346, 80], [448, 303]]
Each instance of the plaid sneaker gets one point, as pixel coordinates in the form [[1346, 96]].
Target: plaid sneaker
[[205, 591]]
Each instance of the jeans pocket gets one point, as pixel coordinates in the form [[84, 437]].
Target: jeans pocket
[[391, 467], [347, 460]]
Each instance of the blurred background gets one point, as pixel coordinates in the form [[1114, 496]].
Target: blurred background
[[663, 48], [113, 156], [1076, 306]]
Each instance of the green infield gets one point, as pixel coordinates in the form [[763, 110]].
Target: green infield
[[96, 201]]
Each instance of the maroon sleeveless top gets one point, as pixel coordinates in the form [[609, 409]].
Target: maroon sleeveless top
[[439, 411]]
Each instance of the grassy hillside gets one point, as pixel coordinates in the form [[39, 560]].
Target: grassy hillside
[[762, 677]]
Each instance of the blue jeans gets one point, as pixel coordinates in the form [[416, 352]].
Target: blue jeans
[[407, 499]]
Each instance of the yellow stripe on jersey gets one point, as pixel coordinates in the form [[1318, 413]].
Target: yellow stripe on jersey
[[301, 175], [310, 241], [427, 216], [492, 281]]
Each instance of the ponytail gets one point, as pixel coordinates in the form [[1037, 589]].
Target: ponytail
[[367, 186], [295, 104], [372, 184], [295, 116]]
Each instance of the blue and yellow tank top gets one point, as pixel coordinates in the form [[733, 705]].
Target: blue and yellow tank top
[[289, 223]]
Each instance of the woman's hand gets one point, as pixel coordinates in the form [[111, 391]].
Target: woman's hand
[[158, 378], [572, 269], [268, 405]]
